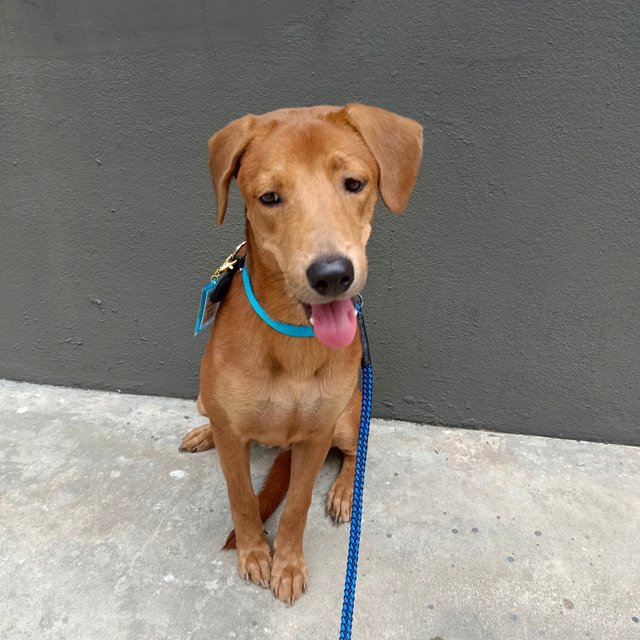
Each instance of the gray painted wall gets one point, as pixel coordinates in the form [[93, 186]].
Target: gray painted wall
[[506, 297]]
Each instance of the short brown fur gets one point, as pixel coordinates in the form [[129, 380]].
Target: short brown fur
[[259, 385]]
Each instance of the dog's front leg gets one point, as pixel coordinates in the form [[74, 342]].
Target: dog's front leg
[[254, 557], [289, 572]]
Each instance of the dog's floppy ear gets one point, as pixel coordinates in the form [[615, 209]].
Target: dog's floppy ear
[[396, 144], [225, 149]]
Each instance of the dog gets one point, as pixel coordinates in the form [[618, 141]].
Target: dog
[[310, 179]]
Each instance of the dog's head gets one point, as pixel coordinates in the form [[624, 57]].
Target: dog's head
[[310, 179]]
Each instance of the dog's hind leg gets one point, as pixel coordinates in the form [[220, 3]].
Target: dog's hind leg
[[200, 407], [340, 496], [200, 438]]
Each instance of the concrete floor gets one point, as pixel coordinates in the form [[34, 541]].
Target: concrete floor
[[107, 532]]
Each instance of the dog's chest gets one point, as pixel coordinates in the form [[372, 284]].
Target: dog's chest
[[283, 409]]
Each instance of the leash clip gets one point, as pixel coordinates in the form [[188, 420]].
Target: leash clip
[[228, 264]]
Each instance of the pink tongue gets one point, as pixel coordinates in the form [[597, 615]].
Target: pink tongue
[[334, 323]]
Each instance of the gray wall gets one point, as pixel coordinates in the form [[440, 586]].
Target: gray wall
[[506, 297]]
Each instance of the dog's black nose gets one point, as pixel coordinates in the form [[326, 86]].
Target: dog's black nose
[[331, 276]]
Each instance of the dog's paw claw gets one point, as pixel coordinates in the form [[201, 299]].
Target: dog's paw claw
[[289, 577], [339, 502], [255, 566], [198, 439]]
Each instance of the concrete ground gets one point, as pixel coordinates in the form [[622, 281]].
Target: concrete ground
[[107, 532]]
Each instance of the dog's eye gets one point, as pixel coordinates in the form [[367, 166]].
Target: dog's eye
[[354, 186], [270, 198]]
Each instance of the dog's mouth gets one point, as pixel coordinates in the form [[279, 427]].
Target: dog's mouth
[[334, 323]]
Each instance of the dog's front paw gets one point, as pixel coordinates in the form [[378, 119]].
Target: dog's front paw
[[255, 564], [289, 576]]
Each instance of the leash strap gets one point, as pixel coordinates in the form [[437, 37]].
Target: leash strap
[[358, 482]]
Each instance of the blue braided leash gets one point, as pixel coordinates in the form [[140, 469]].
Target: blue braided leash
[[358, 483]]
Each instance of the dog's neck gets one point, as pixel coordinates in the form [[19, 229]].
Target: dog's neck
[[268, 284], [303, 357]]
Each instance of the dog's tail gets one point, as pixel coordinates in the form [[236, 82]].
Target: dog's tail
[[272, 493]]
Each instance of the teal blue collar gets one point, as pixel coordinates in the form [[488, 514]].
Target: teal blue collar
[[293, 330]]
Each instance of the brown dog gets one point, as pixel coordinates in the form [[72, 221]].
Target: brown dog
[[310, 179]]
